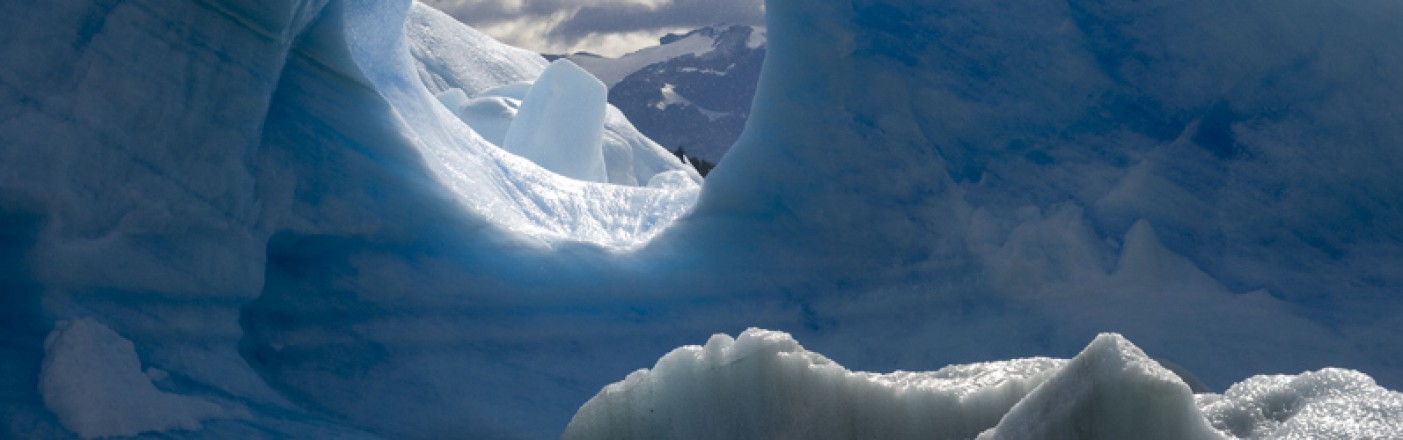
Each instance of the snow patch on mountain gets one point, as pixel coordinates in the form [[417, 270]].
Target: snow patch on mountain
[[613, 70], [671, 98]]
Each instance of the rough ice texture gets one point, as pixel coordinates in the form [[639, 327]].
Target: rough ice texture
[[763, 385], [1330, 403], [92, 380], [451, 55]]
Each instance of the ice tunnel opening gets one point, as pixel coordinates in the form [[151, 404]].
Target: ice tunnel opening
[[531, 147], [382, 189]]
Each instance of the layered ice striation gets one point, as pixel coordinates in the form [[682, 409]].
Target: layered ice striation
[[764, 385]]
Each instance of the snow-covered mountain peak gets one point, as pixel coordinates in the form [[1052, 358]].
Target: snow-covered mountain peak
[[697, 43], [721, 34]]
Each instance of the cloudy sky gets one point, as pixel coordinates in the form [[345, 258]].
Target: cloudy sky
[[607, 27]]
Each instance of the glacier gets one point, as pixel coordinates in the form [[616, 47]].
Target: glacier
[[280, 219]]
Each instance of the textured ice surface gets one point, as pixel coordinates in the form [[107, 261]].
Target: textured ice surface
[[93, 381], [1330, 403], [763, 385], [450, 55]]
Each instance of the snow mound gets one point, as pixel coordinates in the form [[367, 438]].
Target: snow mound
[[93, 381], [764, 385]]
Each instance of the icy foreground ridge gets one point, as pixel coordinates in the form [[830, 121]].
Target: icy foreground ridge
[[763, 385]]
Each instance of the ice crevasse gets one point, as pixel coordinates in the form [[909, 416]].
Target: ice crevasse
[[301, 219]]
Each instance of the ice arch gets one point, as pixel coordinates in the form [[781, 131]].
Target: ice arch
[[509, 192], [159, 191], [423, 218]]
